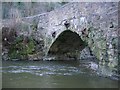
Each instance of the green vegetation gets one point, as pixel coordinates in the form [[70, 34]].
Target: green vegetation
[[21, 48]]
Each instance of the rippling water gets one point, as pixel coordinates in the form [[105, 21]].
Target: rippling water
[[53, 74]]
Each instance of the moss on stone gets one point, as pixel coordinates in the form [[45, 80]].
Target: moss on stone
[[48, 40], [115, 43], [20, 49], [101, 44]]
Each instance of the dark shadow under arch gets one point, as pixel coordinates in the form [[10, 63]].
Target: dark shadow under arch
[[67, 46]]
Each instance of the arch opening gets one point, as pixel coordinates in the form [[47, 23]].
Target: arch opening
[[67, 46]]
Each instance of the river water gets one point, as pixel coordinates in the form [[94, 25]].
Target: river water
[[53, 74]]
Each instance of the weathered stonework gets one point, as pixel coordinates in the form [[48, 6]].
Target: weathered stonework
[[96, 23]]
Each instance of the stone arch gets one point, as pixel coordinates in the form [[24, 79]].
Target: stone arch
[[93, 27], [67, 45]]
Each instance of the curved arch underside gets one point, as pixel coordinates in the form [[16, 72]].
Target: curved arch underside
[[67, 46]]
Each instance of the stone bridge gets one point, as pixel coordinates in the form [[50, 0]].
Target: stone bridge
[[96, 24], [68, 30]]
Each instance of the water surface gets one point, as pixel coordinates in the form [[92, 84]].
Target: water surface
[[53, 74]]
